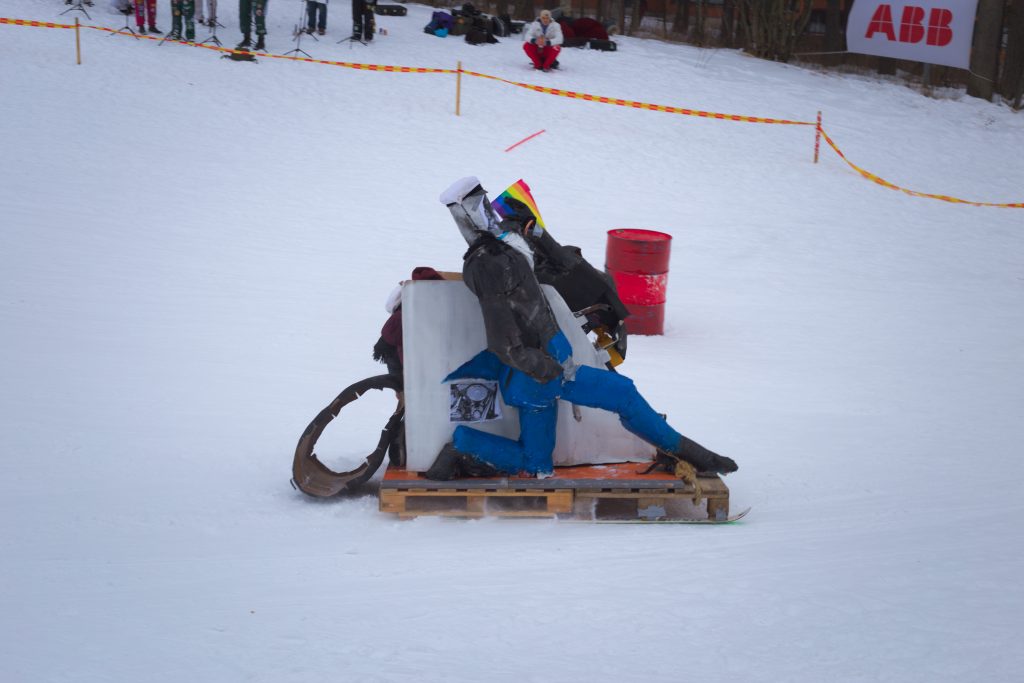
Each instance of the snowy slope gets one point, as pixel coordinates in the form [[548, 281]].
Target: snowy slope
[[194, 255]]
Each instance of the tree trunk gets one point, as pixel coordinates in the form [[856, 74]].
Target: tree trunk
[[1013, 67], [988, 27], [681, 21], [835, 40], [728, 19], [639, 8]]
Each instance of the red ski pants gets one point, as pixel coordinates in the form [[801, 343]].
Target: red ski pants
[[542, 57], [142, 8]]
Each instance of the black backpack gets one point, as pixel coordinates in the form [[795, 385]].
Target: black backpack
[[477, 36], [499, 27]]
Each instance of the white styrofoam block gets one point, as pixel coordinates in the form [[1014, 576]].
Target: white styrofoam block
[[442, 328]]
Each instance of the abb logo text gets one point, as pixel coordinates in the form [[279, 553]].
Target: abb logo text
[[912, 27]]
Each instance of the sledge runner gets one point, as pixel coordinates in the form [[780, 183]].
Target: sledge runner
[[532, 359]]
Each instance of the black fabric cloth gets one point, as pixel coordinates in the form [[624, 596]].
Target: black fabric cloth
[[578, 282], [518, 321], [565, 269]]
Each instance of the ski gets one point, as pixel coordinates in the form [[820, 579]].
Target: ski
[[640, 520]]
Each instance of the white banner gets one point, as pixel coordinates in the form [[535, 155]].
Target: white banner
[[931, 31]]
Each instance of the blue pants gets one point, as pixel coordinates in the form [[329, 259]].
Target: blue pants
[[538, 413]]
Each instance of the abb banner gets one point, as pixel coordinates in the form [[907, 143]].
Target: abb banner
[[932, 31]]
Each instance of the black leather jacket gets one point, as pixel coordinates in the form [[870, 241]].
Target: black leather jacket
[[517, 318]]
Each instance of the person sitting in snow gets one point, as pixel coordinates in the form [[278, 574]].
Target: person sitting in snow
[[543, 41], [531, 359]]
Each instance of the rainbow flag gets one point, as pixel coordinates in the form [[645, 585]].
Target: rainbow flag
[[517, 190]]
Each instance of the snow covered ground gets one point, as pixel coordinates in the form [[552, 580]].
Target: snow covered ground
[[194, 255]]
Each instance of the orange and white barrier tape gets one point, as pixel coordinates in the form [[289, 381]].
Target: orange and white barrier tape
[[39, 24], [913, 193], [562, 93], [639, 105]]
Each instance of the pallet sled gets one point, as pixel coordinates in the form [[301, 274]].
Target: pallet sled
[[618, 492]]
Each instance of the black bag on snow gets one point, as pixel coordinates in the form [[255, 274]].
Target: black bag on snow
[[603, 45], [477, 36], [462, 26], [499, 27], [391, 10]]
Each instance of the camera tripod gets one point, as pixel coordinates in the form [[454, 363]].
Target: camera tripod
[[127, 11], [351, 40], [298, 35], [212, 38], [76, 5]]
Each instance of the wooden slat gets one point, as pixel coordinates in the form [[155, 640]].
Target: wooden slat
[[519, 497]]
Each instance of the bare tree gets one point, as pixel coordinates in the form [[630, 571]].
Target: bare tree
[[835, 40], [1011, 83], [728, 19], [636, 16], [681, 21], [988, 28], [700, 26], [772, 27]]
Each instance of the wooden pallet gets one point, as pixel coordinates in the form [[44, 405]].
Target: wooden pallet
[[617, 491]]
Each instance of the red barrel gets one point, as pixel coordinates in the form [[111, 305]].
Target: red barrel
[[638, 262]]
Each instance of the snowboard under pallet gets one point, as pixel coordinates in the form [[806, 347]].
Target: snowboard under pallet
[[618, 492]]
